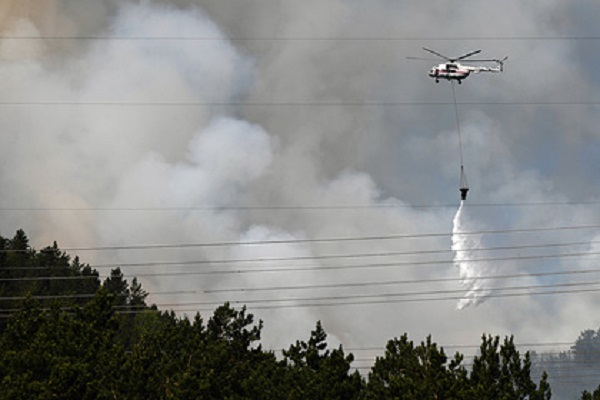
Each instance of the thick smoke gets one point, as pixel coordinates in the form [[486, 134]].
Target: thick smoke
[[157, 141], [112, 167]]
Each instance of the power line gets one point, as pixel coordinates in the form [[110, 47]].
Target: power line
[[318, 286], [381, 348], [50, 297], [387, 298], [489, 292], [359, 103], [327, 267], [390, 295], [399, 282], [576, 365], [355, 255], [467, 346], [341, 256], [317, 257], [337, 267], [443, 38], [365, 266], [391, 301], [317, 240], [49, 278], [341, 207], [395, 301]]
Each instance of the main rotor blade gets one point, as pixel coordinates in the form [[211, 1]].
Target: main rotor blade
[[481, 60], [467, 55], [437, 54], [422, 58]]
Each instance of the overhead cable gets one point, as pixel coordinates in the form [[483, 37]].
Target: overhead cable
[[317, 240], [285, 104], [364, 266], [442, 38], [299, 207], [395, 301], [489, 293], [387, 295]]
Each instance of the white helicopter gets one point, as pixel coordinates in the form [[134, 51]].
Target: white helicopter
[[452, 70]]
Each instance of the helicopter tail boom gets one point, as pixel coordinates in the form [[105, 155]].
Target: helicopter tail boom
[[499, 68]]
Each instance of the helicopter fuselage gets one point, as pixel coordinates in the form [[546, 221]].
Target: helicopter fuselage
[[450, 71], [457, 72]]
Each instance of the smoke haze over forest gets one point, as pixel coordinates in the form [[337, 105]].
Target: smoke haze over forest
[[195, 122]]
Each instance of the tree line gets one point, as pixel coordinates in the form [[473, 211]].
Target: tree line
[[83, 338]]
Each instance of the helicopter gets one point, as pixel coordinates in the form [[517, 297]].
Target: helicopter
[[452, 70]]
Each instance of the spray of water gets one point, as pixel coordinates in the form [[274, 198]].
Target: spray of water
[[470, 272]]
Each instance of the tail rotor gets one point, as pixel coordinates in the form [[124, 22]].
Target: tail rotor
[[501, 63]]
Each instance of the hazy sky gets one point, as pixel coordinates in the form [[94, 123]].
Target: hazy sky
[[144, 120]]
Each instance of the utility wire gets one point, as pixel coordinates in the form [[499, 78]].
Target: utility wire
[[359, 266], [398, 282], [341, 256], [359, 103], [395, 301], [442, 38], [377, 265], [335, 267], [413, 294], [387, 301], [317, 240], [50, 297], [48, 278], [490, 292], [444, 346], [324, 286], [342, 207], [311, 267], [315, 257], [468, 346], [551, 363]]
